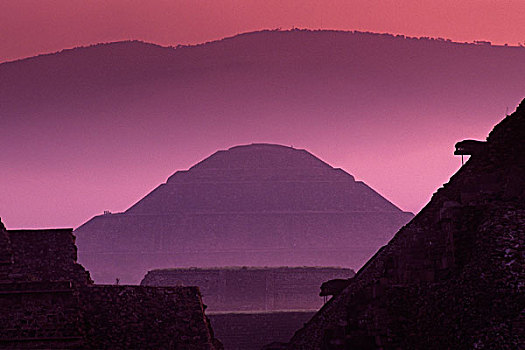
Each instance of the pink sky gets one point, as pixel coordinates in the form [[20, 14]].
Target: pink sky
[[30, 27]]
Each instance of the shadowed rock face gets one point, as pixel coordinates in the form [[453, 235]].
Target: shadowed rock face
[[453, 277], [256, 205]]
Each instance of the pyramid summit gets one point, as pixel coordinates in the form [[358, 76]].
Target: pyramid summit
[[261, 155], [250, 205], [258, 162]]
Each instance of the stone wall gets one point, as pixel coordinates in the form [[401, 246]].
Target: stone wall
[[39, 289], [40, 315], [136, 317], [6, 254], [252, 288], [48, 301], [45, 255]]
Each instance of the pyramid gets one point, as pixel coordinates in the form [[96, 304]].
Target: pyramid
[[251, 205], [453, 277]]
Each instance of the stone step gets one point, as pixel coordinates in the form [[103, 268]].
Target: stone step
[[75, 342]]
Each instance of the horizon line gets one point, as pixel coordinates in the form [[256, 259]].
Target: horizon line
[[279, 29]]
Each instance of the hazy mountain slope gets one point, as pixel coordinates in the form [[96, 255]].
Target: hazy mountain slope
[[362, 102]]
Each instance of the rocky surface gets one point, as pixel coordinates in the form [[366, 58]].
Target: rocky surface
[[451, 278], [45, 255], [6, 253], [47, 300], [253, 205], [136, 317]]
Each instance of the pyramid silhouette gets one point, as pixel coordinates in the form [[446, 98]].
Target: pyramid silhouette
[[251, 205]]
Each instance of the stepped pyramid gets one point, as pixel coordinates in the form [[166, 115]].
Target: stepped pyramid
[[453, 278], [256, 205]]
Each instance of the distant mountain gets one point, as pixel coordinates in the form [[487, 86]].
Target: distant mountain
[[118, 117], [253, 205]]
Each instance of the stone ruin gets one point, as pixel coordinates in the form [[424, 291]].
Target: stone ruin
[[252, 205], [453, 278], [48, 300]]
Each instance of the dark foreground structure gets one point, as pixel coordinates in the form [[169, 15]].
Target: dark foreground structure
[[48, 301], [453, 278], [253, 205]]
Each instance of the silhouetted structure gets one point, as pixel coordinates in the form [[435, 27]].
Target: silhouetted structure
[[334, 287], [453, 277], [253, 205], [469, 147]]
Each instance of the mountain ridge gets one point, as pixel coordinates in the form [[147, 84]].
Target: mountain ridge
[[245, 34]]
